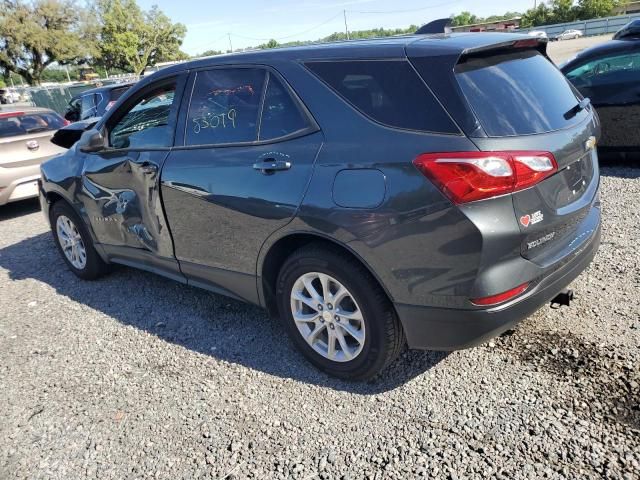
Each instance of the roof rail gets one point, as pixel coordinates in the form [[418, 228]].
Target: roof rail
[[442, 25]]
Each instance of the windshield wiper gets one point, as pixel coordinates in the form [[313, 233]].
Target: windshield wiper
[[581, 105]]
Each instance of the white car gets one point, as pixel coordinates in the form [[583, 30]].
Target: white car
[[569, 34], [538, 34]]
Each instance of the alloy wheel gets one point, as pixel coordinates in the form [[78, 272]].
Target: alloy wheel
[[328, 317], [71, 242]]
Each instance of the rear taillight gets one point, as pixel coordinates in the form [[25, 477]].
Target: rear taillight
[[65, 122], [501, 297], [470, 176]]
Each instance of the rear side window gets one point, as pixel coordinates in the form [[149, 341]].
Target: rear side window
[[224, 106], [518, 93], [281, 115], [387, 91], [12, 124]]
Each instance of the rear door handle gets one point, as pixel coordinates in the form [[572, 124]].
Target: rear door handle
[[271, 165]]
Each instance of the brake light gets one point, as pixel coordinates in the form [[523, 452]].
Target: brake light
[[65, 122], [501, 297], [470, 176]]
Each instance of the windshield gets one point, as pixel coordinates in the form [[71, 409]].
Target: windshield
[[19, 123], [518, 93]]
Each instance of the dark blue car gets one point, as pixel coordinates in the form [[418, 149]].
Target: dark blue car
[[430, 189]]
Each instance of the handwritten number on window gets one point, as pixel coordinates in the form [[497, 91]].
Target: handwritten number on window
[[215, 120]]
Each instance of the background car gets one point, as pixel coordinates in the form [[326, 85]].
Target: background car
[[24, 144], [537, 34], [94, 102], [568, 35], [9, 96], [609, 75]]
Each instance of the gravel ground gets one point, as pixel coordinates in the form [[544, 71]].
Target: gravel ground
[[134, 376]]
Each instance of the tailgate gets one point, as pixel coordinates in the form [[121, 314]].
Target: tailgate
[[511, 97]]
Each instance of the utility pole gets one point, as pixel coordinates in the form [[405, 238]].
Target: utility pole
[[230, 45], [346, 29], [66, 69]]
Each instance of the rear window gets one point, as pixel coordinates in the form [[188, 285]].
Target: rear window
[[518, 93], [387, 91], [27, 123]]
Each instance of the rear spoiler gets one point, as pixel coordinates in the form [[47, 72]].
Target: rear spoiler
[[539, 44], [442, 25]]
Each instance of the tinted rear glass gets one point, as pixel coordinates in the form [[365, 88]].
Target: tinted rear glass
[[29, 123], [517, 93], [387, 91]]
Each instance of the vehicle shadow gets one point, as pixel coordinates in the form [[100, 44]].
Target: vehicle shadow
[[200, 321], [18, 209]]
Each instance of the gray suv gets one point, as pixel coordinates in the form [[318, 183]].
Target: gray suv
[[429, 190]]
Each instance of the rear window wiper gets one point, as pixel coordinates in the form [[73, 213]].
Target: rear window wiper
[[581, 105]]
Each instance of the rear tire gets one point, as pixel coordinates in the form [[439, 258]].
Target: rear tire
[[75, 244], [362, 325]]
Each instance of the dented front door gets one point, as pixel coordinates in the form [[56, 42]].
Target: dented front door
[[122, 201], [119, 185]]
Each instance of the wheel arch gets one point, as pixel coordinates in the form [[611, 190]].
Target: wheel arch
[[281, 249]]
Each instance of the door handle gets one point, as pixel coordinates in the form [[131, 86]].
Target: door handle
[[270, 165]]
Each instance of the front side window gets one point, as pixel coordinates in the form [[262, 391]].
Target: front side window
[[146, 124], [225, 106], [605, 70]]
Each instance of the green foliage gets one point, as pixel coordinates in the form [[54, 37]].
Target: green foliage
[[38, 33], [132, 39], [467, 18], [209, 53], [562, 11]]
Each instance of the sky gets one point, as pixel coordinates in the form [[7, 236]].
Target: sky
[[252, 22]]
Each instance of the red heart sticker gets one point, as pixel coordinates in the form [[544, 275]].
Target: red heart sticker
[[525, 220]]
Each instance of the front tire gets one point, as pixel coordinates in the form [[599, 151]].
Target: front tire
[[337, 314], [75, 243]]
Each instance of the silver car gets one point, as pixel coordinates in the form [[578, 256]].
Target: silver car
[[25, 134]]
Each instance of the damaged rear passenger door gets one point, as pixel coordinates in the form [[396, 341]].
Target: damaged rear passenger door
[[120, 184]]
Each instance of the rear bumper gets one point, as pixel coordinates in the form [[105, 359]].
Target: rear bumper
[[435, 328], [18, 187]]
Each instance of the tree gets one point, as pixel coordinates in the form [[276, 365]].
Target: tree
[[597, 8], [541, 15], [36, 34], [209, 53], [132, 39], [464, 18]]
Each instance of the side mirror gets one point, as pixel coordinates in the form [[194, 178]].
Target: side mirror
[[92, 141]]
